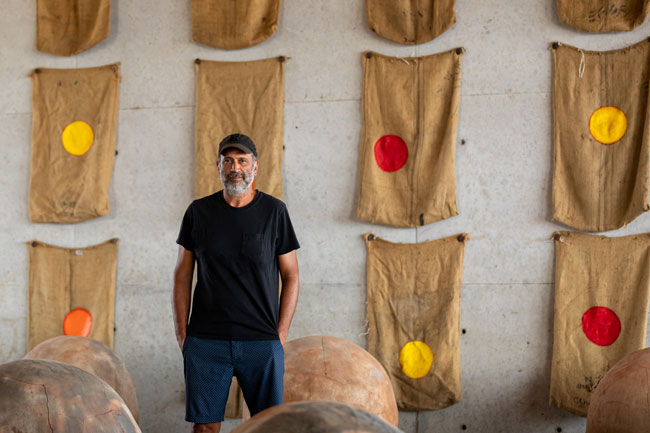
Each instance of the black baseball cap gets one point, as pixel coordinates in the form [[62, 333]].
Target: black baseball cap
[[238, 141]]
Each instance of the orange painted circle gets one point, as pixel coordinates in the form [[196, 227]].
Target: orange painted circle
[[78, 322]]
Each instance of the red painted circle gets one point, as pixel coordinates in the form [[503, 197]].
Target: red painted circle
[[601, 325], [391, 153]]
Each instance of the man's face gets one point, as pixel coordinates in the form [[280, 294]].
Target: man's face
[[237, 170]]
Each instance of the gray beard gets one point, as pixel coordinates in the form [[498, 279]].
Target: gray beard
[[238, 189]]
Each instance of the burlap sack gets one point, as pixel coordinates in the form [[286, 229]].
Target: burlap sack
[[602, 287], [408, 142], [410, 21], [599, 187], [65, 187], [62, 279], [603, 15], [67, 27], [414, 296], [245, 97], [233, 24]]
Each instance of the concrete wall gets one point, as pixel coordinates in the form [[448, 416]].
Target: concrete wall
[[503, 175]]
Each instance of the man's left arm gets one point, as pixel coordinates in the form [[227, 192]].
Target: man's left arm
[[288, 264]]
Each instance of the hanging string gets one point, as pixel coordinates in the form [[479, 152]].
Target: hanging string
[[581, 68]]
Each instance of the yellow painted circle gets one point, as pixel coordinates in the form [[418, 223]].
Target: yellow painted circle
[[608, 124], [77, 137], [416, 359]]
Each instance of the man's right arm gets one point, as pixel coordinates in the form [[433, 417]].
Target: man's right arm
[[183, 274]]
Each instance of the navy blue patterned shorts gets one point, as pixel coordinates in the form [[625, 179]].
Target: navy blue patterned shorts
[[211, 364]]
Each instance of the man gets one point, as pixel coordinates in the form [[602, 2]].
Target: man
[[240, 239]]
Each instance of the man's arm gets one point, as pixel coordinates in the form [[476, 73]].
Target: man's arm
[[183, 274], [288, 264]]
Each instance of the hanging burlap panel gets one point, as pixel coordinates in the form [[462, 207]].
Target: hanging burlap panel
[[408, 143], [414, 318], [233, 24], [410, 21], [603, 15], [602, 287], [63, 279], [600, 137], [74, 127], [67, 27], [245, 97]]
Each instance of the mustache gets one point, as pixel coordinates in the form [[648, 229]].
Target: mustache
[[235, 176]]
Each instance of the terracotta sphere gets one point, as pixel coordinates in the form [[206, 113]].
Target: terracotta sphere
[[94, 357], [620, 401], [50, 396], [332, 369], [315, 417]]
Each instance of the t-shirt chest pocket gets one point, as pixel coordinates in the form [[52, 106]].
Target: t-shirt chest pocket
[[255, 246]]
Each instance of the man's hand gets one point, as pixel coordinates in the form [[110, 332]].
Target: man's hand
[[181, 340], [283, 337]]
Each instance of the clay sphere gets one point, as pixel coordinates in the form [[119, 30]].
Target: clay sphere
[[332, 369], [620, 401], [315, 417], [50, 396], [95, 358]]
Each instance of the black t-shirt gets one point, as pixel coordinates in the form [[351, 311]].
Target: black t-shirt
[[236, 250]]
